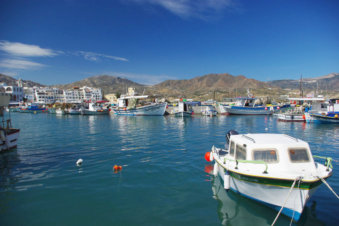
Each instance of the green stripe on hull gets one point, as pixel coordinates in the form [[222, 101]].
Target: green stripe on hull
[[272, 181]]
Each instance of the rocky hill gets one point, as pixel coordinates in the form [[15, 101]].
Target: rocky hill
[[13, 82], [209, 86], [327, 82], [108, 84]]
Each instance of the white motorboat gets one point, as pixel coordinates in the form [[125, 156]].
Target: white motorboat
[[183, 110], [132, 105], [94, 109], [209, 111], [8, 135], [274, 169], [59, 111]]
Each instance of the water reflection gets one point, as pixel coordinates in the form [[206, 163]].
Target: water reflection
[[234, 209], [8, 161]]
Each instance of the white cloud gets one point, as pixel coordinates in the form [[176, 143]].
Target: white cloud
[[26, 50], [97, 56], [19, 64], [190, 8]]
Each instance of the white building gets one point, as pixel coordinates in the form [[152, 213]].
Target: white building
[[17, 93]]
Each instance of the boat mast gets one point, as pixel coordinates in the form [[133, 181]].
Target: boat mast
[[301, 86]]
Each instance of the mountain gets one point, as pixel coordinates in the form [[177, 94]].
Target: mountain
[[10, 81], [211, 84], [108, 84], [326, 82]]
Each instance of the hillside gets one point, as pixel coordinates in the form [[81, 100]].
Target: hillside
[[327, 82], [13, 82], [210, 85], [108, 84]]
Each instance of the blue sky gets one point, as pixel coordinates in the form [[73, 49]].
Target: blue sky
[[149, 41]]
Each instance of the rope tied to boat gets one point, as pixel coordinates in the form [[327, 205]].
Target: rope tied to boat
[[329, 187], [288, 195], [328, 161]]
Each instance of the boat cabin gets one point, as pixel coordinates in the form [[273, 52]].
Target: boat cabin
[[279, 149]]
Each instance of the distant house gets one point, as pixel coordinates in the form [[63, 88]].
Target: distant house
[[112, 98], [17, 93]]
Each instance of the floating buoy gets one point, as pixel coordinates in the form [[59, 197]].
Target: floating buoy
[[79, 162], [336, 116], [208, 157], [117, 168], [266, 108], [304, 117], [266, 128], [278, 107]]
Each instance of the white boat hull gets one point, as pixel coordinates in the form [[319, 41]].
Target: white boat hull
[[270, 195], [235, 110], [291, 117], [9, 140], [148, 110]]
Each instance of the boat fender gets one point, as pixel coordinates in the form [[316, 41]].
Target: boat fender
[[304, 117], [215, 169], [227, 181], [79, 162], [2, 135], [208, 156], [336, 116], [266, 108]]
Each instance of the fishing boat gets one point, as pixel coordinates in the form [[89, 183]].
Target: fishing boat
[[209, 111], [275, 169], [8, 135], [247, 106], [59, 111], [132, 104], [74, 111], [296, 113], [327, 114], [184, 109], [94, 109]]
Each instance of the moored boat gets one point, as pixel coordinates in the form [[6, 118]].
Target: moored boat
[[209, 111], [274, 169], [183, 110], [8, 135], [94, 109], [135, 105], [327, 114]]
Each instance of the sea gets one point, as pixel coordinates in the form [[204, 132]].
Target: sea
[[164, 178]]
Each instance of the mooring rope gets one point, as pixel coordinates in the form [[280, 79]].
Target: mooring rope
[[329, 187], [288, 195]]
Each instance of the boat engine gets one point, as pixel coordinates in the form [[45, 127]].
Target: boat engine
[[229, 134]]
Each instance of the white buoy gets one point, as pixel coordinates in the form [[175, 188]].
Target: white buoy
[[266, 128], [215, 169], [227, 181], [79, 162]]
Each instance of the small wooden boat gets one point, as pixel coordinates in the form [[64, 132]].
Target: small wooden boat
[[274, 169], [8, 135], [183, 110]]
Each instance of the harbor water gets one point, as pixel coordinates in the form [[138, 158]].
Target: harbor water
[[163, 180]]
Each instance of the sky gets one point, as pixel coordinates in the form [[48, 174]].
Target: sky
[[150, 41]]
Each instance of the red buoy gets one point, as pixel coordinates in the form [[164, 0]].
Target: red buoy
[[208, 156]]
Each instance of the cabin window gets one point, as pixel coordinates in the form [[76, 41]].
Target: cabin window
[[298, 155], [269, 156], [232, 147], [240, 153]]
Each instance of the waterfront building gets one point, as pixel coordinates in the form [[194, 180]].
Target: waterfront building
[[16, 92]]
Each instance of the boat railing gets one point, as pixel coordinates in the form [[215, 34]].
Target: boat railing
[[249, 138], [328, 161], [247, 161]]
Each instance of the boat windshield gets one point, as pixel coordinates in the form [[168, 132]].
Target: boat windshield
[[232, 148], [298, 155], [240, 153], [269, 156]]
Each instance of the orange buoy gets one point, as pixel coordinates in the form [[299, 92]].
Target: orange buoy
[[117, 168], [208, 156], [304, 117]]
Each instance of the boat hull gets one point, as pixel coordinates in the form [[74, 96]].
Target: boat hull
[[149, 110], [324, 118], [291, 117], [183, 114], [271, 194], [9, 140], [235, 110], [88, 112]]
